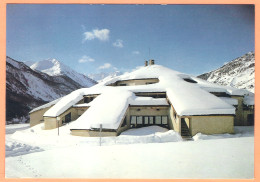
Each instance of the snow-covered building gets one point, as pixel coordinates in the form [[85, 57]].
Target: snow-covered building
[[150, 95]]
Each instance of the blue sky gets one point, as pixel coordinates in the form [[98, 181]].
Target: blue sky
[[101, 38]]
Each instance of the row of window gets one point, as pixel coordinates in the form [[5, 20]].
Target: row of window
[[138, 121]]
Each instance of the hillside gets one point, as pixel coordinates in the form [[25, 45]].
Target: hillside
[[238, 73], [27, 88]]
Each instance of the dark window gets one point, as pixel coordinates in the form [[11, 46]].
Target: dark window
[[146, 120], [140, 121], [122, 84], [158, 120], [250, 119], [151, 120], [164, 120], [220, 94], [133, 121], [67, 118], [88, 99], [189, 80], [124, 123]]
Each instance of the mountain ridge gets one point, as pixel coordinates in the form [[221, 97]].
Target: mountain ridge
[[27, 88], [238, 73], [54, 67]]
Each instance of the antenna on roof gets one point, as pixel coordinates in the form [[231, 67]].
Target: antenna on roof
[[149, 53]]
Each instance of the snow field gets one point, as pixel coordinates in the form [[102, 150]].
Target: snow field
[[154, 153], [222, 158]]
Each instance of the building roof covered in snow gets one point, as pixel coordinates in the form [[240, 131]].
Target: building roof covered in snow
[[187, 94]]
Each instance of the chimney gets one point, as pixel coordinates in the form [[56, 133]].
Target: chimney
[[151, 62], [145, 63]]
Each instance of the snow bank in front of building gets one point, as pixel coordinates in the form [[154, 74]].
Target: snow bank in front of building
[[204, 159], [150, 134], [16, 149], [240, 131], [49, 139]]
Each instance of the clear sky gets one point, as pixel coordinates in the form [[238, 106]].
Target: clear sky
[[101, 38]]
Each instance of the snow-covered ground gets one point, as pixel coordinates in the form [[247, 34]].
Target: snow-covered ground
[[151, 152]]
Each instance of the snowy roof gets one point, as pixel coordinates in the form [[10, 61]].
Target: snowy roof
[[82, 105], [212, 87], [49, 104], [148, 101], [184, 96], [187, 98], [249, 100], [106, 109], [230, 101]]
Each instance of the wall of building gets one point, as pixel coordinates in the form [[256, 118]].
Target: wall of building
[[51, 122], [37, 116], [239, 121], [81, 110], [174, 121], [137, 82], [148, 111], [127, 126], [211, 124], [245, 115], [89, 133], [241, 118]]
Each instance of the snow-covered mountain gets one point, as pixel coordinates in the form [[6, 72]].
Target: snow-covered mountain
[[238, 73], [54, 67], [100, 76], [27, 88]]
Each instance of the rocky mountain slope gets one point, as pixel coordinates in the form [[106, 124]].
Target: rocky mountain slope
[[27, 88], [54, 67], [238, 73]]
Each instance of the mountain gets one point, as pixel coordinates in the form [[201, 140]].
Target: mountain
[[54, 67], [100, 76], [29, 63], [238, 73], [27, 88]]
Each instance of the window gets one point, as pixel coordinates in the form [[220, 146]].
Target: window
[[124, 123], [151, 120], [250, 119], [164, 120], [190, 80], [140, 121], [158, 120], [133, 120], [67, 119], [146, 120], [88, 99]]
